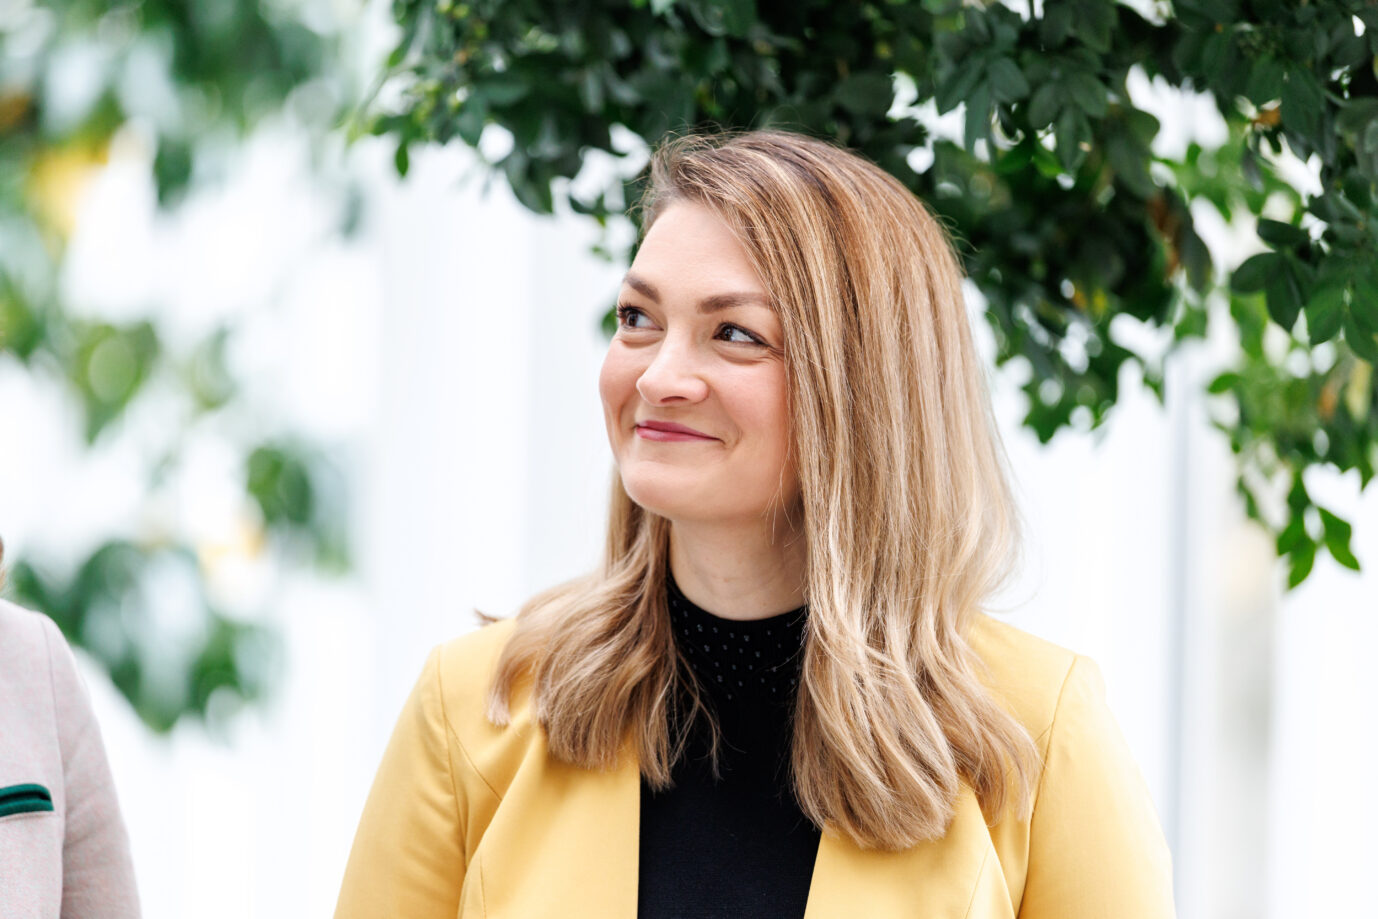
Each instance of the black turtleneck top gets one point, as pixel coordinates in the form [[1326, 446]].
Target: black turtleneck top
[[738, 846]]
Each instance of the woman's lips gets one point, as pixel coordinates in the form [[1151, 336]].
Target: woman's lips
[[666, 431]]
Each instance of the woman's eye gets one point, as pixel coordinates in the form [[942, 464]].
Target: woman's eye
[[738, 335], [627, 316]]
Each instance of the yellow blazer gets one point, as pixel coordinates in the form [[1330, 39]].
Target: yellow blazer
[[470, 820]]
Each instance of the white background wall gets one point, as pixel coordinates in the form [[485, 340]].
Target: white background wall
[[451, 349]]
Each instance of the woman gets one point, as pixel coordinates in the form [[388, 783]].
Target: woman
[[63, 849], [779, 695]]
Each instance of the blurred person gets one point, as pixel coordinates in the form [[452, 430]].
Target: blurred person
[[780, 692], [64, 852]]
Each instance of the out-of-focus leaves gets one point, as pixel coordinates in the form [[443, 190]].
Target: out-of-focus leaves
[[109, 365], [297, 493], [196, 78], [104, 606], [280, 483]]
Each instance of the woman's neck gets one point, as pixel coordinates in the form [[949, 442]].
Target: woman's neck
[[739, 571]]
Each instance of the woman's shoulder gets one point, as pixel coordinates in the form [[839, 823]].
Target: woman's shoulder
[[42, 693], [29, 641], [462, 670], [466, 663], [478, 647], [18, 624], [1029, 674]]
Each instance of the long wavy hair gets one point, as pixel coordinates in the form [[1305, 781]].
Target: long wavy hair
[[907, 511]]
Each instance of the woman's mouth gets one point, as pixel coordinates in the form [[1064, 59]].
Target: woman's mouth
[[669, 431]]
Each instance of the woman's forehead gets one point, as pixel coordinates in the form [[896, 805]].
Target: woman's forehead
[[690, 247]]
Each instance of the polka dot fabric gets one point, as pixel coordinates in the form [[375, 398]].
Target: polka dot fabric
[[756, 658]]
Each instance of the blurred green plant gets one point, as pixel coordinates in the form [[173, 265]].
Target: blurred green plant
[[1069, 223], [194, 79]]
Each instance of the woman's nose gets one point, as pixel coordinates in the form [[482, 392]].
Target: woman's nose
[[674, 375]]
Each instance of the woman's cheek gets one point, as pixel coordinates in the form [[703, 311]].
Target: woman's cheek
[[616, 379]]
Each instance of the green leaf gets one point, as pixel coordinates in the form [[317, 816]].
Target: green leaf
[[1367, 152], [1363, 306], [1130, 164], [1017, 159], [1303, 557], [505, 88], [172, 166], [401, 159], [1325, 311], [1195, 257], [1284, 295], [1302, 101], [1056, 24], [1007, 83], [1360, 341], [1256, 272], [533, 194], [473, 115], [1282, 235], [1358, 114], [1265, 80], [1045, 105], [281, 484], [1094, 23], [109, 367], [1293, 535], [1046, 162], [1088, 93], [958, 86], [866, 94], [1224, 383], [977, 118], [1297, 498], [1337, 533], [1072, 131]]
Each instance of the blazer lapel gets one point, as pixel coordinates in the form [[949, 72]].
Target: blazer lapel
[[946, 878], [573, 851], [570, 848]]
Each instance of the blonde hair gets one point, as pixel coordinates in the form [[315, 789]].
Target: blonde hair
[[906, 507]]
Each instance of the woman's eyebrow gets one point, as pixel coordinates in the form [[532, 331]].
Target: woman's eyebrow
[[710, 304]]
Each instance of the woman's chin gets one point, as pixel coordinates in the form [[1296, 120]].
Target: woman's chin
[[669, 496], [658, 499], [685, 502]]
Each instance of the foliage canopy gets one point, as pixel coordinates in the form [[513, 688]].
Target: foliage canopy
[[1070, 223]]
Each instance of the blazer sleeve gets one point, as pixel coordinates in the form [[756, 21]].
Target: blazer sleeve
[[408, 857], [97, 870], [1096, 848]]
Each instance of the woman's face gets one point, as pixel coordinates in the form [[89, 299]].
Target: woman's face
[[693, 384]]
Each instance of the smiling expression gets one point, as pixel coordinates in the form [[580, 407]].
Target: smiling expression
[[693, 384]]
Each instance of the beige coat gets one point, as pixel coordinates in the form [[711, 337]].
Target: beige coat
[[67, 858], [471, 820]]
